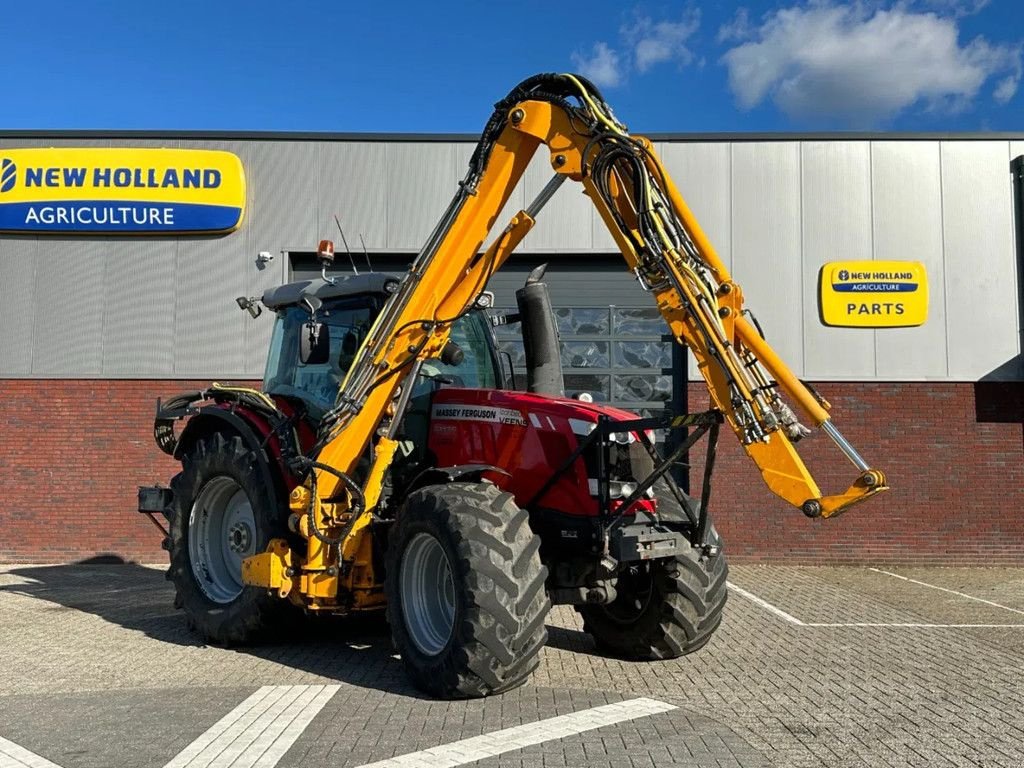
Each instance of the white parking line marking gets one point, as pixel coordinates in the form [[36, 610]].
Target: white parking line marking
[[258, 732], [495, 743], [765, 604], [794, 620], [15, 756], [951, 591], [920, 626]]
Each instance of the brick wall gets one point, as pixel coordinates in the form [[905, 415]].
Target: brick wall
[[73, 452]]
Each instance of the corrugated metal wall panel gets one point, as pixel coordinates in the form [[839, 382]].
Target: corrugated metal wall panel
[[352, 185], [907, 214], [421, 182], [284, 200], [836, 227], [17, 302], [138, 332], [703, 174], [566, 222], [67, 332], [283, 178], [209, 329], [257, 331], [981, 303], [747, 196], [766, 241]]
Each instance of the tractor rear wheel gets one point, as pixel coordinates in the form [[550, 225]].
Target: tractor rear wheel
[[222, 513], [664, 608], [465, 589]]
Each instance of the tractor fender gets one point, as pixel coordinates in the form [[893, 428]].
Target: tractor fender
[[211, 419], [459, 473]]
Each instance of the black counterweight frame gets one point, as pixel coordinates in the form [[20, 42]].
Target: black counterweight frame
[[705, 423]]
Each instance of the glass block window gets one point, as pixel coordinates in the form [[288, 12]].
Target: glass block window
[[620, 355]]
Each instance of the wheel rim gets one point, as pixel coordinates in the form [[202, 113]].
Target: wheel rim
[[221, 534], [427, 591]]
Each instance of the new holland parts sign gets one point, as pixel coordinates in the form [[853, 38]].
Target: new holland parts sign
[[874, 294], [120, 191]]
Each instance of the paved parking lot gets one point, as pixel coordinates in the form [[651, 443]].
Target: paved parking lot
[[812, 666]]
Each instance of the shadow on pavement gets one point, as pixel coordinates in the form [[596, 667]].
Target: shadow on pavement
[[355, 650]]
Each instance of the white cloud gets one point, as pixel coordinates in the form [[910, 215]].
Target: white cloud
[[958, 8], [662, 41], [601, 66], [737, 29], [863, 65]]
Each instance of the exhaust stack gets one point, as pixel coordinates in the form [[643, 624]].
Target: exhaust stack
[[540, 336]]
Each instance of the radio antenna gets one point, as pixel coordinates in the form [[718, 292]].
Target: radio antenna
[[345, 243], [365, 252]]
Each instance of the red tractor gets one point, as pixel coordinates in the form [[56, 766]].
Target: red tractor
[[545, 499], [384, 464]]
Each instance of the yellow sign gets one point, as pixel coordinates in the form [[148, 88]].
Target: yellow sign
[[117, 190], [874, 294]]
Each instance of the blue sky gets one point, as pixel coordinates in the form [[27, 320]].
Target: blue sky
[[904, 65]]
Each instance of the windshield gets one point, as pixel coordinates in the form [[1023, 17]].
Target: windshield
[[348, 322]]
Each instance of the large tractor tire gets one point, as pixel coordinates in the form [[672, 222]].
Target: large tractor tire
[[465, 589], [666, 608], [223, 512]]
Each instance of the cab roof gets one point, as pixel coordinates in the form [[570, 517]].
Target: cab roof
[[290, 294]]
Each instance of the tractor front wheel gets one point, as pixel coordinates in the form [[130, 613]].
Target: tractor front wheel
[[664, 608], [465, 589]]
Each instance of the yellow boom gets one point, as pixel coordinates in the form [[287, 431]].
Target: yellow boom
[[664, 247]]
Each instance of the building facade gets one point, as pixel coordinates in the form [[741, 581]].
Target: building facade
[[96, 327]]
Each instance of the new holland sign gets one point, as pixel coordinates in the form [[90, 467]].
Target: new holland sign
[[874, 294], [125, 191]]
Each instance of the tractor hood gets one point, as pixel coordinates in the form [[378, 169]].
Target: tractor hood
[[524, 408]]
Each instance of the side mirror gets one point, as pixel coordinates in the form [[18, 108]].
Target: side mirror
[[314, 343]]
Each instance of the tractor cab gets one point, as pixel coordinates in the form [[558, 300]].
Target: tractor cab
[[345, 311]]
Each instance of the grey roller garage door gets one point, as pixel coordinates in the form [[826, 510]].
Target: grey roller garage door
[[614, 343]]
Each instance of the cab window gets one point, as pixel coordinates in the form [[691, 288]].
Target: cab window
[[347, 321]]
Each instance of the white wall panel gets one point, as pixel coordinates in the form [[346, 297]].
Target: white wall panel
[[766, 241], [67, 339], [17, 300], [981, 302], [703, 175], [283, 181], [258, 330], [421, 182], [836, 227], [224, 343], [907, 212], [209, 329], [774, 210], [138, 327], [352, 187], [565, 224]]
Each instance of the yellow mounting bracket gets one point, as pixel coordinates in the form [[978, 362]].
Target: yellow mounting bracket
[[273, 569], [867, 485]]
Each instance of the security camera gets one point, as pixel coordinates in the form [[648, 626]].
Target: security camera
[[264, 258]]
